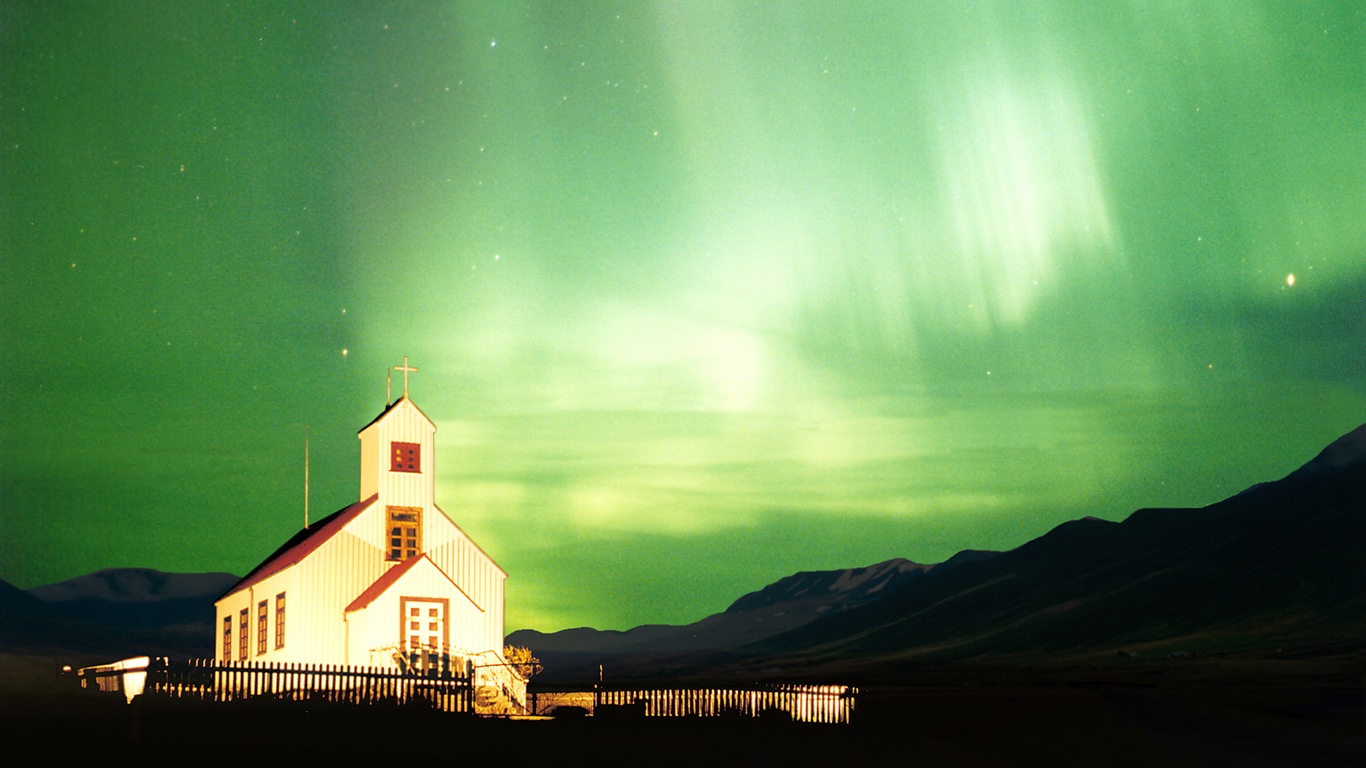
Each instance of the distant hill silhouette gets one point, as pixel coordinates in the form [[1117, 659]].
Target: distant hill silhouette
[[133, 585], [114, 613], [1277, 570], [790, 602]]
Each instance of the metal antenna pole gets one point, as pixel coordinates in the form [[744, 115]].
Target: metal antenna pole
[[305, 475]]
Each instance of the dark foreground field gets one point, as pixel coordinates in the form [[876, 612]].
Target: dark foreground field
[[1291, 715]]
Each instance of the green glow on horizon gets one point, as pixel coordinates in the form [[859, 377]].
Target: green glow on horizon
[[701, 295]]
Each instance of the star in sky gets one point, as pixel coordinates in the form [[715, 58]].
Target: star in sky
[[771, 287]]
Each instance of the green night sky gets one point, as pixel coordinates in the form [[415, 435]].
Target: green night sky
[[702, 293]]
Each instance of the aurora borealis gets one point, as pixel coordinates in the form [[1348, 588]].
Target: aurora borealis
[[701, 293]]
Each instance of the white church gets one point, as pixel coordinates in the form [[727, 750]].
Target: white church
[[389, 581]]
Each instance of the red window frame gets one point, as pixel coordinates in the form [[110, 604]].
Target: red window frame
[[405, 457], [261, 626], [404, 527], [243, 639], [280, 621]]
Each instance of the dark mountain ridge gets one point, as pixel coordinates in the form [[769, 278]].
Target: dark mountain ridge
[[132, 585], [1277, 570], [783, 605], [112, 613]]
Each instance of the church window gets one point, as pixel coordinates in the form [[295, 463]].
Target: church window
[[280, 621], [242, 639], [227, 638], [261, 626], [405, 457], [405, 532]]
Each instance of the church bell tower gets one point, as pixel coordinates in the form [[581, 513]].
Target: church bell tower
[[397, 463]]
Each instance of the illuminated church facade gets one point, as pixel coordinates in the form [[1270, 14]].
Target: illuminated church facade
[[389, 581]]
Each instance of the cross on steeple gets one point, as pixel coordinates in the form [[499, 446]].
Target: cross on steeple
[[407, 369]]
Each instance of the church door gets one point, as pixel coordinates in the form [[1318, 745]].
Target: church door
[[426, 632]]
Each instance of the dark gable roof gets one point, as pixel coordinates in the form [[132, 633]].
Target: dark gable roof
[[301, 545], [386, 411]]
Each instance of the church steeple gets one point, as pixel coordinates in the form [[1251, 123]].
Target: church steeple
[[396, 455]]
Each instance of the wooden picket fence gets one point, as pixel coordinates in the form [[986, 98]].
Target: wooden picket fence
[[450, 688], [803, 703], [447, 689]]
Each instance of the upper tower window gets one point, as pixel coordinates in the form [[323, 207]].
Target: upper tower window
[[405, 457], [405, 532]]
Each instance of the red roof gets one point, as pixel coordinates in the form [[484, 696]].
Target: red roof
[[382, 583], [391, 577], [301, 545]]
